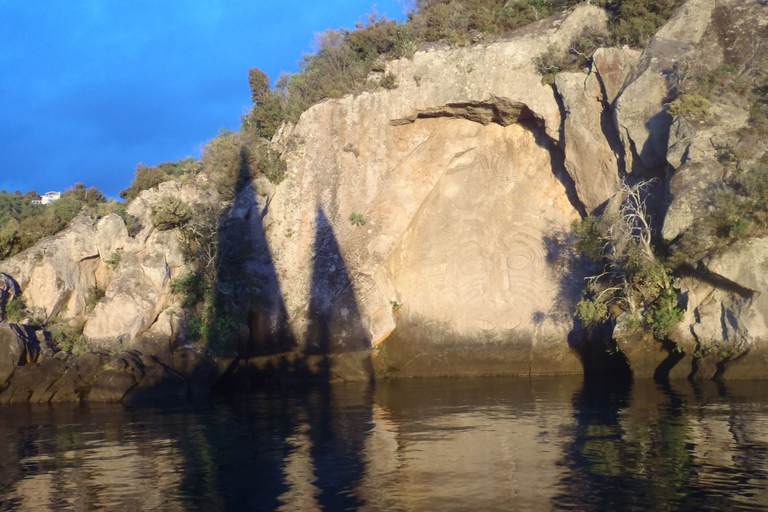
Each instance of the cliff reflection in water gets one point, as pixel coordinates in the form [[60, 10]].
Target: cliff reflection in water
[[489, 444]]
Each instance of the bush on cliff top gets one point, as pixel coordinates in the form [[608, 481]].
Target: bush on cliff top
[[23, 224]]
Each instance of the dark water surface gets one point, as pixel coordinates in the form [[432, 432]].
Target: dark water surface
[[461, 444]]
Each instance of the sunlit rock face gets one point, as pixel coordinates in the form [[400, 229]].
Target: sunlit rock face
[[475, 269], [460, 178]]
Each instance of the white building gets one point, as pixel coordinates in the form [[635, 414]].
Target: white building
[[50, 197]]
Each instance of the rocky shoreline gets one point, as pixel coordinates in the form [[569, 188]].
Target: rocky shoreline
[[426, 230]]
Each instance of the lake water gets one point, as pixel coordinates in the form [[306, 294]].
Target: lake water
[[458, 444]]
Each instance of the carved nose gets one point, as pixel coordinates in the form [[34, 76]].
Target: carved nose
[[495, 276]]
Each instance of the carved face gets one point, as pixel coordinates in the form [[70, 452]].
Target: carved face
[[476, 250]]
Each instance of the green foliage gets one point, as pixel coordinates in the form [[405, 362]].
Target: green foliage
[[550, 63], [590, 237], [67, 336], [271, 164], [357, 219], [591, 312], [149, 177], [690, 105], [193, 287], [114, 260], [631, 277], [739, 210], [86, 196], [259, 82], [15, 310], [23, 224], [633, 22], [172, 213], [574, 58], [389, 81], [226, 160], [665, 313], [95, 294]]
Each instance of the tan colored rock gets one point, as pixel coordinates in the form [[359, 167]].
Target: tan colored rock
[[132, 299], [692, 187], [721, 330], [13, 352], [9, 290], [463, 204], [613, 67], [589, 157], [411, 251], [744, 263], [639, 112], [474, 82], [57, 272]]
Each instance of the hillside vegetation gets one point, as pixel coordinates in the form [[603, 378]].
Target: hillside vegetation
[[23, 223], [345, 58], [213, 293]]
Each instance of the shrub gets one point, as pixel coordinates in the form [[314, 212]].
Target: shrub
[[574, 58], [632, 277], [193, 287], [15, 310], [357, 219], [633, 22], [171, 214], [87, 196], [591, 312], [271, 165], [689, 105], [591, 237], [149, 177], [67, 335], [226, 159], [114, 260], [665, 313], [95, 294], [389, 81]]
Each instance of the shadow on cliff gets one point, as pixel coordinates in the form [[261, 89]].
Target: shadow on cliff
[[272, 352], [335, 332], [593, 344]]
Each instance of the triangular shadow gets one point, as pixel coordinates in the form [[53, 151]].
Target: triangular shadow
[[335, 324]]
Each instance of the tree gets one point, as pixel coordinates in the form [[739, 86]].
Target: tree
[[259, 82], [632, 277]]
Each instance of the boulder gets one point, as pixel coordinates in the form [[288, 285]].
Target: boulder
[[133, 298], [589, 156], [31, 382], [9, 290], [744, 263], [613, 67], [13, 352], [56, 274], [645, 354], [692, 187], [77, 380], [640, 113]]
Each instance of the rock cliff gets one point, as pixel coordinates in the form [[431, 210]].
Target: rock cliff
[[426, 230]]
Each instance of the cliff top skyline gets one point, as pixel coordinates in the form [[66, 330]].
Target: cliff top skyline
[[91, 90]]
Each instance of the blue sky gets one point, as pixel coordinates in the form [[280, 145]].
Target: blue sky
[[90, 88]]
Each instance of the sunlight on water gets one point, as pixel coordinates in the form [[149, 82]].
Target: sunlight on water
[[465, 444]]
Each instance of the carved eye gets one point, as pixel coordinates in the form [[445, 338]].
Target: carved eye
[[471, 266], [485, 325], [519, 260]]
